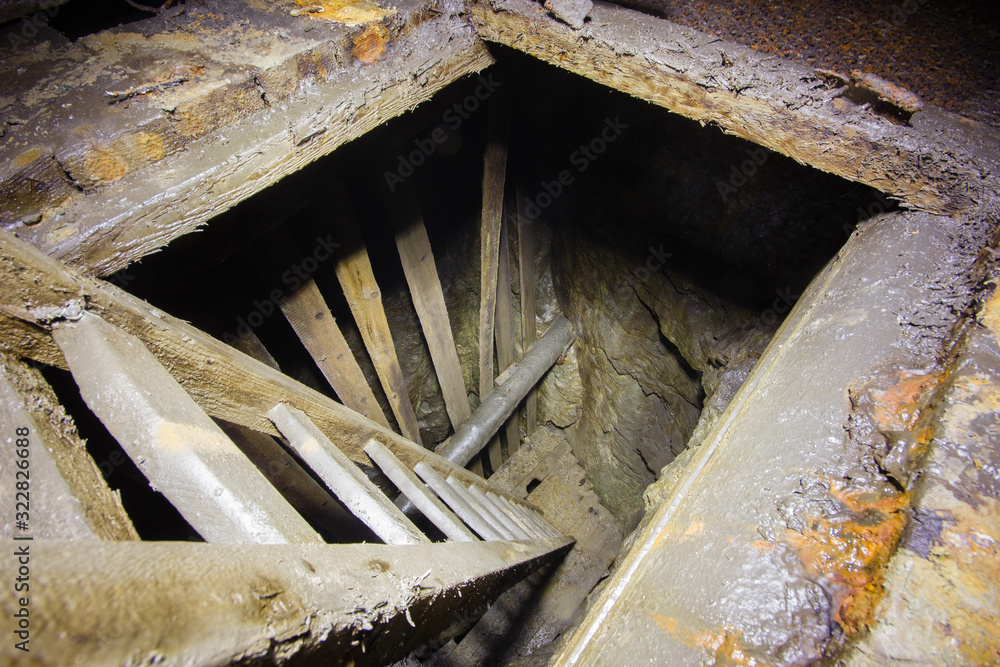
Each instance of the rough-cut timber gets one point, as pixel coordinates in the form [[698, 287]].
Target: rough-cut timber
[[207, 604], [939, 163], [226, 383], [354, 271], [505, 335], [526, 271], [417, 256], [125, 139], [183, 453], [342, 476], [72, 496]]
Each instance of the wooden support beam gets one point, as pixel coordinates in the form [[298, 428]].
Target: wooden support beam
[[362, 604], [526, 269], [306, 310], [298, 487], [937, 162], [118, 179], [410, 486], [342, 476], [183, 453], [505, 338], [417, 256], [494, 173], [354, 271], [63, 488], [226, 383]]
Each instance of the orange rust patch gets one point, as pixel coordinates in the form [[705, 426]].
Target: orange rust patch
[[369, 45], [149, 147], [104, 166], [898, 407], [850, 551], [724, 644]]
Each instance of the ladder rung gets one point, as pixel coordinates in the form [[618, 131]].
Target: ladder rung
[[499, 513], [456, 502]]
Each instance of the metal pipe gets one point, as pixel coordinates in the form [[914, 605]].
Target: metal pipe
[[499, 404]]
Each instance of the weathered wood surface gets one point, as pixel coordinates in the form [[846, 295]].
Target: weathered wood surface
[[68, 498], [308, 313], [354, 271], [226, 383], [942, 163], [361, 604], [526, 271], [417, 256], [505, 337], [180, 450], [494, 173], [178, 117]]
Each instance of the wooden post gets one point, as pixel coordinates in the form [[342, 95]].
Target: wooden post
[[526, 266], [494, 173], [354, 271], [505, 340], [428, 300]]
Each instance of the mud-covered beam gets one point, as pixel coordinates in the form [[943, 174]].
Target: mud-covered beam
[[936, 161], [344, 604], [117, 143]]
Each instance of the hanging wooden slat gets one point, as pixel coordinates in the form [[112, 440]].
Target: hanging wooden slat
[[526, 267], [505, 339], [308, 313], [428, 300], [494, 172], [354, 271]]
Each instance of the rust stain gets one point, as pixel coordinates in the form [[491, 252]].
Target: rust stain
[[898, 406], [849, 551], [348, 12], [989, 316], [724, 645], [104, 165], [369, 45]]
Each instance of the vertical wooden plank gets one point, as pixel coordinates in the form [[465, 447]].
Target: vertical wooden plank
[[526, 266], [505, 338], [354, 271], [494, 173], [306, 310], [428, 300]]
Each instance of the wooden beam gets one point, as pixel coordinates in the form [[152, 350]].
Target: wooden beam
[[68, 497], [354, 271], [126, 177], [936, 163], [226, 383], [183, 453], [362, 604], [417, 256], [505, 337], [526, 269], [275, 259], [494, 173]]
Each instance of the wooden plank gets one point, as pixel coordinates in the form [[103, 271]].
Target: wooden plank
[[68, 498], [412, 488], [226, 383], [297, 486], [526, 269], [937, 162], [342, 477], [505, 340], [132, 176], [354, 271], [417, 256], [472, 518], [494, 173], [308, 313], [182, 452], [362, 604]]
